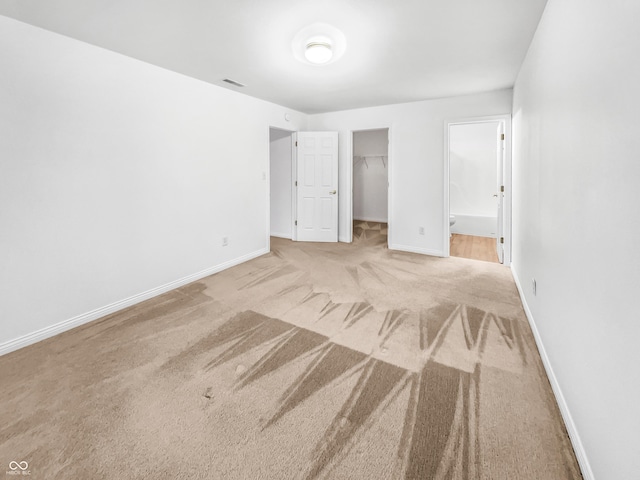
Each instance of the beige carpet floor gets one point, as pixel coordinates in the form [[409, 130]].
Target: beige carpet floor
[[327, 361]]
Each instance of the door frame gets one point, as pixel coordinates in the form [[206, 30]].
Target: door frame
[[507, 199], [349, 238], [294, 187], [268, 179]]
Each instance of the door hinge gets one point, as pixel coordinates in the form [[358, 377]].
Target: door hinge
[[502, 188], [501, 239], [501, 137], [296, 143], [296, 183], [296, 222]]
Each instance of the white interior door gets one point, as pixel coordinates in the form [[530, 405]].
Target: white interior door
[[317, 186], [500, 192]]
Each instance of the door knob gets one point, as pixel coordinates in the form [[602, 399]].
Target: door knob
[[332, 192]]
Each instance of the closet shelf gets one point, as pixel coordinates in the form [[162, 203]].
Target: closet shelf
[[363, 158]]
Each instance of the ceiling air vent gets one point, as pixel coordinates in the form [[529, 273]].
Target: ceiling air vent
[[233, 82]]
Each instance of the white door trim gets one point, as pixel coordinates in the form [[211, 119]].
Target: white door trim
[[349, 237], [294, 186], [506, 118]]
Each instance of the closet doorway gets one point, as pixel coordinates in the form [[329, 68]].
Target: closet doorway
[[370, 189]]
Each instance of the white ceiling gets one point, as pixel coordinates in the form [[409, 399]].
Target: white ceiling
[[396, 50]]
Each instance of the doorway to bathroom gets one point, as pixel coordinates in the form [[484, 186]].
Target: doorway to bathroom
[[370, 187], [478, 188]]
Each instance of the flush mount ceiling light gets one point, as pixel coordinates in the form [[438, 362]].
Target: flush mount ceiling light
[[318, 44], [318, 52]]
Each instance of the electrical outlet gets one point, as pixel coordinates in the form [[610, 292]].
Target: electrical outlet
[[421, 230], [225, 241], [534, 287]]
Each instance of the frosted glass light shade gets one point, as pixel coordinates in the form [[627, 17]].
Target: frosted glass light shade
[[318, 52], [318, 44]]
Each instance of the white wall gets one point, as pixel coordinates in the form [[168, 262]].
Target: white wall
[[575, 229], [476, 225], [473, 177], [473, 168], [281, 182], [116, 178], [416, 163], [370, 179]]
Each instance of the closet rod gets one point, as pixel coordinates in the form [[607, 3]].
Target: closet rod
[[364, 159]]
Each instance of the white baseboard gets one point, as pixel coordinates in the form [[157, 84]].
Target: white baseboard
[[281, 235], [422, 251], [78, 320], [574, 437]]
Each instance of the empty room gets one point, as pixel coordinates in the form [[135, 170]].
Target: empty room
[[319, 240]]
